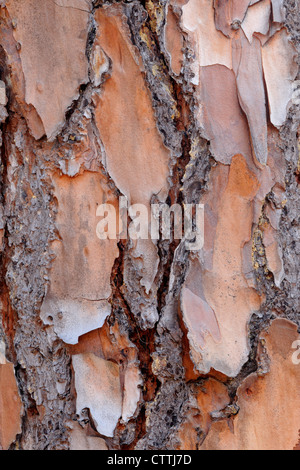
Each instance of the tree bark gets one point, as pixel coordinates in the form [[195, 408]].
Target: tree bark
[[111, 341]]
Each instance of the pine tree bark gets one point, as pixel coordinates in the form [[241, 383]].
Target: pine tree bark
[[142, 344]]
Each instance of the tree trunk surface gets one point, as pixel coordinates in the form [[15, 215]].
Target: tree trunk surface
[[112, 337]]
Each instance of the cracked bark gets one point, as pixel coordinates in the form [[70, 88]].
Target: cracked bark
[[124, 344]]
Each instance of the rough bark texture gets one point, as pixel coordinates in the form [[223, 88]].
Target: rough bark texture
[[143, 344]]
